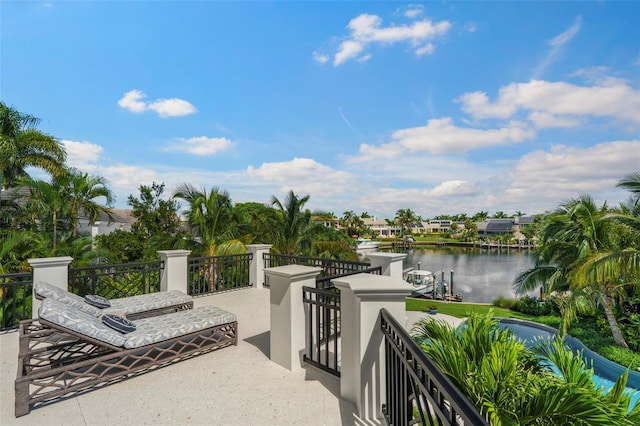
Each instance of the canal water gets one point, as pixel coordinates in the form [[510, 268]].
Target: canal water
[[480, 275]]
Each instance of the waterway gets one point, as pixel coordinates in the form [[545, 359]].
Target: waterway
[[480, 275]]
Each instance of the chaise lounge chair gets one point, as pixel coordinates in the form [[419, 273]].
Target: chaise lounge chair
[[66, 351], [134, 307]]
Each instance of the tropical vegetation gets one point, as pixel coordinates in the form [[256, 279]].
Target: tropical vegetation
[[22, 146], [511, 384], [589, 256]]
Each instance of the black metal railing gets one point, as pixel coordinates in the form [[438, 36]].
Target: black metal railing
[[417, 392], [115, 281], [15, 299], [331, 268], [325, 281], [322, 319], [218, 273]]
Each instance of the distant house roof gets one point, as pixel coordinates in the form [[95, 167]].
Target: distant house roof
[[496, 226], [19, 195], [526, 220]]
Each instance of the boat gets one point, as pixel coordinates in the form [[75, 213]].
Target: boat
[[426, 285], [365, 244]]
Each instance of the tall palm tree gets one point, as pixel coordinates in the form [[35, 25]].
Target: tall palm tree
[[21, 146], [575, 235], [292, 236]]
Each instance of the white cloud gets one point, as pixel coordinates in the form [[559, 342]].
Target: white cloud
[[320, 57], [471, 27], [545, 120], [201, 145], [366, 29], [535, 183], [348, 49], [132, 101], [568, 35], [615, 99], [305, 176], [557, 43], [414, 11], [427, 49], [172, 107], [441, 136], [455, 188], [565, 171], [82, 155]]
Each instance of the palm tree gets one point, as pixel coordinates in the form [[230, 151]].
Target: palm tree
[[480, 216], [45, 209], [404, 218], [632, 183], [293, 224], [214, 227], [21, 146], [573, 240], [80, 191]]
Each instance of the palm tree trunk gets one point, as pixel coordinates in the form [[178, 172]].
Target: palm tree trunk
[[55, 231], [613, 323]]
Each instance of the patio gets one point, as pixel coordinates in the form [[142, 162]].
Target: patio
[[236, 385]]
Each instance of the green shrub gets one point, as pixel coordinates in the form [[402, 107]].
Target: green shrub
[[622, 356], [630, 326], [504, 302], [534, 306]]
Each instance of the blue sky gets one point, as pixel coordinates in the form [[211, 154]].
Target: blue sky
[[440, 107]]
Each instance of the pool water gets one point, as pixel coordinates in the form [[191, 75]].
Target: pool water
[[605, 371]]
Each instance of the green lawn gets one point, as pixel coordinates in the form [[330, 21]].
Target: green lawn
[[461, 310], [595, 341]]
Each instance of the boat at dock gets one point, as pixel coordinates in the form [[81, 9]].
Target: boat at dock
[[427, 286], [365, 244]]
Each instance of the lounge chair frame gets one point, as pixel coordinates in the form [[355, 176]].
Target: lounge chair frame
[[54, 362]]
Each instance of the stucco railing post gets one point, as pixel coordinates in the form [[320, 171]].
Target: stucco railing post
[[256, 269], [391, 263], [287, 312], [176, 270], [362, 369], [52, 270]]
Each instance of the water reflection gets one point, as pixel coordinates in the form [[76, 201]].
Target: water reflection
[[480, 275]]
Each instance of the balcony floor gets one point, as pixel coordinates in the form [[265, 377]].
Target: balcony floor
[[233, 386]]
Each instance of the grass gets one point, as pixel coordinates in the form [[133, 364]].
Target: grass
[[462, 310], [603, 346]]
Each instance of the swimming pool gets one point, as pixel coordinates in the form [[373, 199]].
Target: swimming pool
[[606, 372]]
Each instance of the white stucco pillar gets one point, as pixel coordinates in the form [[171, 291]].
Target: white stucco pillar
[[176, 270], [361, 344], [52, 270], [287, 312], [391, 263], [256, 269]]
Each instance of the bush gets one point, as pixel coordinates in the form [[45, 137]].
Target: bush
[[630, 326], [504, 302], [595, 333], [622, 356], [534, 306]]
